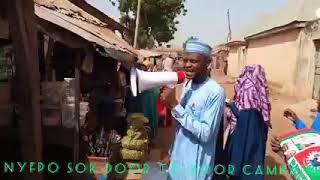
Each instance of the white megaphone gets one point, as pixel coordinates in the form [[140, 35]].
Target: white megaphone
[[141, 80]]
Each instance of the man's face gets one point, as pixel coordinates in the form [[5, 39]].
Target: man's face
[[194, 65]]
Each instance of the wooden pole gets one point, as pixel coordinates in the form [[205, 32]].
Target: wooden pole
[[77, 108], [229, 27], [48, 60], [24, 36], [135, 45]]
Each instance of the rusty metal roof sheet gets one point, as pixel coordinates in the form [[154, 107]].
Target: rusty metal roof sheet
[[147, 53], [72, 18]]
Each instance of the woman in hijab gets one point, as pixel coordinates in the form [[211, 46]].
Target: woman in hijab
[[249, 121]]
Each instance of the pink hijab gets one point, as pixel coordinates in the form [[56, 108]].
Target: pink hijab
[[251, 92]]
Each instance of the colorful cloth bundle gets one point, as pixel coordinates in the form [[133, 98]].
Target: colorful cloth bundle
[[302, 152]]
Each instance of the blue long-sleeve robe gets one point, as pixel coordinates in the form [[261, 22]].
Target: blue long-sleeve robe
[[246, 146], [198, 119]]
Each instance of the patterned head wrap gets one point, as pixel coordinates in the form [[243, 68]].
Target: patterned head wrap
[[197, 46], [251, 92]]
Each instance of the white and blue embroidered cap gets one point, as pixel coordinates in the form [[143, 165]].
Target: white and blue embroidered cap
[[197, 46]]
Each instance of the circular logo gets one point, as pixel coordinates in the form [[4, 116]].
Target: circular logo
[[313, 160]]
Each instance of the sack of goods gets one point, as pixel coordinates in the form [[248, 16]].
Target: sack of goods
[[130, 143], [128, 154], [302, 152], [135, 143]]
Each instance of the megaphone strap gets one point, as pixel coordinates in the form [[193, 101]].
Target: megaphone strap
[[187, 83]]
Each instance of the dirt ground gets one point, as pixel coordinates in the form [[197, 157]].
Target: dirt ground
[[280, 125]]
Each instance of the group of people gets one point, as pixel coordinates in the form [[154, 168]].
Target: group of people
[[202, 111], [200, 116]]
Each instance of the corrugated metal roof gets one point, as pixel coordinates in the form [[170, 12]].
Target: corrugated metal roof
[[89, 7], [220, 48], [294, 11], [70, 17], [162, 49], [147, 53]]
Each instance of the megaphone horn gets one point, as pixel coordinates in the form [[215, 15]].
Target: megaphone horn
[[141, 80]]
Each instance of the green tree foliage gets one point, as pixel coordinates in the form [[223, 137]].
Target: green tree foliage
[[157, 19]]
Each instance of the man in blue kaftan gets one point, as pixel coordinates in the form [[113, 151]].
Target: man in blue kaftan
[[198, 117]]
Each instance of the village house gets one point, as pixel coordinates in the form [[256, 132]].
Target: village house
[[236, 57], [286, 44], [219, 58], [175, 53]]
